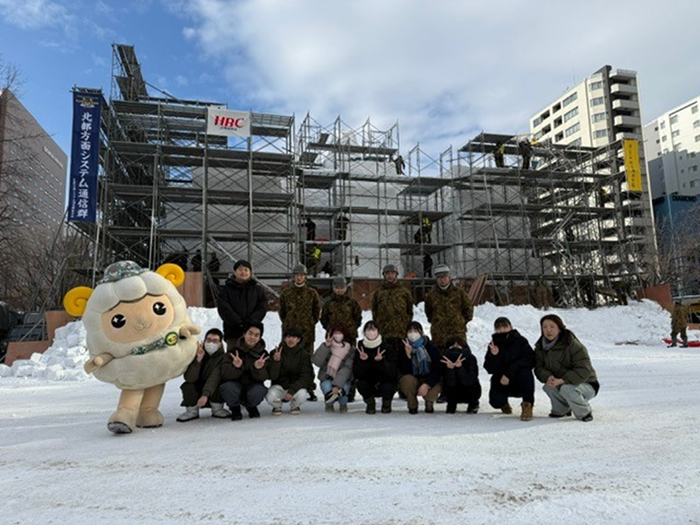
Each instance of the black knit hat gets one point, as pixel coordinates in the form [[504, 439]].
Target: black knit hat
[[242, 262]]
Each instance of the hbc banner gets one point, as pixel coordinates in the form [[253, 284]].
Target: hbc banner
[[82, 197], [229, 123]]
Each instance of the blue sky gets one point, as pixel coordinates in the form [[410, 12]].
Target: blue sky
[[444, 69]]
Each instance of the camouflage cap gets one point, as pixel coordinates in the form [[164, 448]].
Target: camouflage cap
[[121, 270]]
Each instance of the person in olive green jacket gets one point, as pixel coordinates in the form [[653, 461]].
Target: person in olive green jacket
[[290, 373], [300, 308], [448, 309], [679, 325], [342, 309], [392, 309], [563, 365], [201, 386]]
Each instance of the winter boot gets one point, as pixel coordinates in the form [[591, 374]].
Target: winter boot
[[526, 413], [507, 409], [673, 343], [253, 412], [343, 409], [451, 408], [330, 408], [386, 406], [218, 411], [236, 413], [684, 343], [189, 414], [429, 407], [371, 405], [472, 408]]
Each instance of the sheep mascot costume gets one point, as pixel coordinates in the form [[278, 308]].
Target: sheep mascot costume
[[139, 336]]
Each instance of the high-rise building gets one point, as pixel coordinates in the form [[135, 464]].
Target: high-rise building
[[672, 143], [32, 170], [602, 112]]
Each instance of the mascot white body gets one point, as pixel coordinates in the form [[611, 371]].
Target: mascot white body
[[139, 336]]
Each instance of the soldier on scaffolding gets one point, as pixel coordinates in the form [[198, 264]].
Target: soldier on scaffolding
[[341, 227], [427, 265], [310, 229], [525, 149], [427, 230], [499, 151], [400, 164]]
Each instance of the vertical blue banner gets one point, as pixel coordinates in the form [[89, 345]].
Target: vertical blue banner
[[82, 197]]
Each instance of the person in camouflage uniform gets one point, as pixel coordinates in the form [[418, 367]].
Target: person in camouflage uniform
[[448, 309], [679, 324], [392, 309], [300, 308], [342, 309]]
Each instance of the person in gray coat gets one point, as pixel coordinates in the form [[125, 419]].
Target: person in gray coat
[[334, 360]]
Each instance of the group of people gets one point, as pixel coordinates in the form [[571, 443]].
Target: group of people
[[391, 353]]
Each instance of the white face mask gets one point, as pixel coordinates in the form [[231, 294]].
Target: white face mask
[[338, 338], [371, 334], [211, 347], [413, 336]]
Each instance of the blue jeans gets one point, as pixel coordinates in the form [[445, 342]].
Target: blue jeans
[[327, 387]]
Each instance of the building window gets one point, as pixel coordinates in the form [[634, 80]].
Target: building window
[[696, 124], [674, 119], [675, 133], [662, 125], [697, 138], [570, 114], [694, 109], [597, 101], [571, 130], [596, 85], [601, 133], [678, 146], [664, 138], [568, 100], [597, 117]]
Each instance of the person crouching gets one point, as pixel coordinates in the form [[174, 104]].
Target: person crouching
[[460, 376], [334, 361], [201, 386], [290, 372]]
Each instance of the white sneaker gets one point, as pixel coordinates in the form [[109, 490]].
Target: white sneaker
[[189, 414], [218, 411]]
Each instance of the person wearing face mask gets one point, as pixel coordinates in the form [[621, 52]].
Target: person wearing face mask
[[460, 376], [244, 371], [392, 309], [334, 360], [419, 369], [341, 308], [290, 372], [510, 360], [563, 365], [201, 386], [375, 372], [448, 308]]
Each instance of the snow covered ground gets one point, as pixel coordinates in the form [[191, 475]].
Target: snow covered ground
[[637, 462]]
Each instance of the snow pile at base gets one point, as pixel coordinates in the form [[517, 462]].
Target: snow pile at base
[[640, 323], [62, 361]]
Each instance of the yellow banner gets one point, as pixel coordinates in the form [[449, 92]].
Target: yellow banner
[[634, 172]]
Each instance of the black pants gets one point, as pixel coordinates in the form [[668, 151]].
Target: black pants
[[522, 385], [458, 388], [191, 392]]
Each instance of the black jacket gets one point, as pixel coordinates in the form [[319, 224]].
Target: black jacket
[[406, 367], [466, 375], [247, 374], [514, 352], [293, 371], [239, 303], [384, 371]]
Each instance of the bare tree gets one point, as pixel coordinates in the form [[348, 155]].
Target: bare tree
[[679, 251]]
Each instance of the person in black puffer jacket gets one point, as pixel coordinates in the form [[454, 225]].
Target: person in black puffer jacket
[[510, 360], [460, 376], [242, 300]]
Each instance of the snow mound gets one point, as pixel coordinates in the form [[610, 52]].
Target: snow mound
[[641, 323]]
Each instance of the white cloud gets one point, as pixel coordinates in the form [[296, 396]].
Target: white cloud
[[443, 69], [34, 14]]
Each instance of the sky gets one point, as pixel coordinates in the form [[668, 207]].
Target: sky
[[444, 70]]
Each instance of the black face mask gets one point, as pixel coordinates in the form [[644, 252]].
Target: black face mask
[[500, 338]]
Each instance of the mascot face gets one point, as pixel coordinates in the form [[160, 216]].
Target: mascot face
[[133, 321]]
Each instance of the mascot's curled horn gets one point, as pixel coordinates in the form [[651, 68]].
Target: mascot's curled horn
[[139, 336]]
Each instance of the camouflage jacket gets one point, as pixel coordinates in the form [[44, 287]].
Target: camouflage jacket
[[679, 318], [448, 313], [392, 308], [342, 309], [300, 308]]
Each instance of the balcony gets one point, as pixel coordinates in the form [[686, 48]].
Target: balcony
[[623, 89], [622, 74], [628, 135], [628, 121], [623, 104]]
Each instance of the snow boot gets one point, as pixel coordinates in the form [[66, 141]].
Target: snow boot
[[343, 409], [451, 408], [473, 408], [218, 411], [236, 413], [429, 407], [253, 412], [371, 405], [507, 409], [330, 408], [386, 406], [526, 411], [189, 414]]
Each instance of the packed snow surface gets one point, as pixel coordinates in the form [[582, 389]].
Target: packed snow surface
[[637, 462]]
